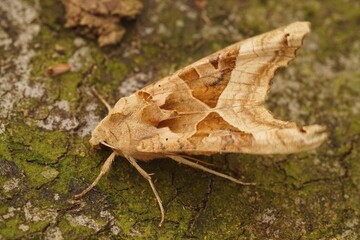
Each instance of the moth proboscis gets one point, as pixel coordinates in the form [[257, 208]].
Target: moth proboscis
[[214, 105]]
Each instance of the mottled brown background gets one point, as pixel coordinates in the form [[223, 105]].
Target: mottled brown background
[[45, 124]]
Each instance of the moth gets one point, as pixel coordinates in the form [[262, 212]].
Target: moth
[[214, 105]]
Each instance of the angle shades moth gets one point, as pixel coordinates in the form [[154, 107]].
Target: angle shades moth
[[211, 106]]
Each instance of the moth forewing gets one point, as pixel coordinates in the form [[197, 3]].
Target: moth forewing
[[213, 105]]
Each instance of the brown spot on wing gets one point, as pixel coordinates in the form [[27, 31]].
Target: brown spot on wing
[[214, 123], [179, 102], [116, 118], [209, 79], [189, 112], [144, 95], [214, 62], [189, 75]]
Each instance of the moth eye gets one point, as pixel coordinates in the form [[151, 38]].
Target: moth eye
[[166, 139], [159, 85]]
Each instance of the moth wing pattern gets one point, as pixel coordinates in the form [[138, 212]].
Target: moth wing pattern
[[218, 101], [213, 105]]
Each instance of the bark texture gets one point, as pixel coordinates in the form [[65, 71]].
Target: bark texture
[[45, 124]]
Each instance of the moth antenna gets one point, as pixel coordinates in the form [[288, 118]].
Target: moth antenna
[[104, 169], [182, 160], [147, 177], [97, 94]]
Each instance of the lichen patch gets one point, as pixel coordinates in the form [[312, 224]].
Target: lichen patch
[[133, 83], [23, 227], [53, 233], [49, 173], [17, 31], [91, 122], [36, 214], [80, 59], [59, 117], [11, 184], [82, 220]]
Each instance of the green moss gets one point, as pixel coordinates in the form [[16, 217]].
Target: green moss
[[31, 145], [38, 226], [31, 150], [151, 51], [70, 81], [117, 69], [67, 171], [309, 195], [126, 223], [109, 79], [74, 166], [3, 209], [34, 171], [9, 229], [4, 147], [74, 232]]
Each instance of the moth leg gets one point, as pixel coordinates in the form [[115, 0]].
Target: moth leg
[[104, 169], [97, 94], [147, 177], [196, 160], [198, 166]]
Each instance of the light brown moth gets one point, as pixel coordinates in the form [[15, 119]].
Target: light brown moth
[[214, 105]]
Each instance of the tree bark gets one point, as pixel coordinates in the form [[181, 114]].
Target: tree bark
[[45, 125]]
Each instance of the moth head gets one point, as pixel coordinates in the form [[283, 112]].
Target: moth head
[[110, 131], [97, 137]]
